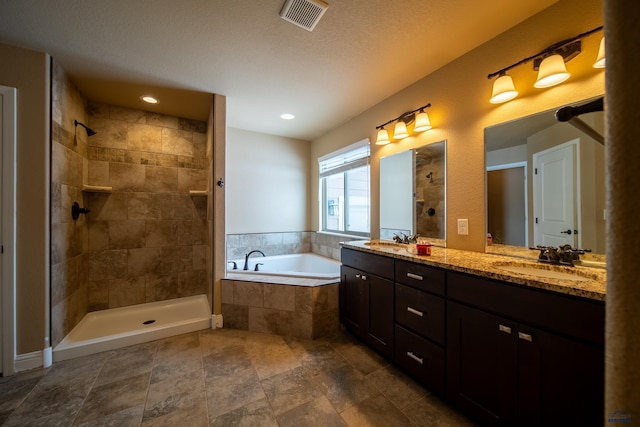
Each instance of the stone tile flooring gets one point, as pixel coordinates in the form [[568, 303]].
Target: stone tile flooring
[[224, 377]]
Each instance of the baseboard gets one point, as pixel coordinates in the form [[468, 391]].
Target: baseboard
[[216, 321], [27, 361]]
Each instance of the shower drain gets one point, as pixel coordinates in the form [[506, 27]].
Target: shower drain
[[148, 322]]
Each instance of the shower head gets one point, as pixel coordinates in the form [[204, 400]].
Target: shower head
[[90, 132]]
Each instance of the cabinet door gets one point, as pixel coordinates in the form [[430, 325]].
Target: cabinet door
[[352, 300], [380, 314], [561, 380], [482, 354]]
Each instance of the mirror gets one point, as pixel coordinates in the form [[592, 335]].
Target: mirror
[[412, 193], [545, 183]]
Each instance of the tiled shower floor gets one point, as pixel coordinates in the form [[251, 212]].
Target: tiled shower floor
[[224, 377]]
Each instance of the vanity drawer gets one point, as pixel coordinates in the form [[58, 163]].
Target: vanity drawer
[[373, 264], [420, 358], [421, 312], [420, 276]]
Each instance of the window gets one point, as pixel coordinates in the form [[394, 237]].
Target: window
[[344, 190]]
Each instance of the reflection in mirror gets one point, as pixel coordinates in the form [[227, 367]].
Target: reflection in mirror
[[545, 183], [412, 193]]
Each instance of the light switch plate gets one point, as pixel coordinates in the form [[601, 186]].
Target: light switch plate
[[463, 227]]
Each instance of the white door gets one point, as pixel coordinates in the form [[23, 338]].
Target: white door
[[555, 193]]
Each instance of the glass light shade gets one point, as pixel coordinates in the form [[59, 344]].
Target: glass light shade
[[552, 71], [503, 90], [383, 137], [400, 131], [422, 122], [600, 59]]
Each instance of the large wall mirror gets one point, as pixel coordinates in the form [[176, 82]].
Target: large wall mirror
[[545, 183], [412, 193]]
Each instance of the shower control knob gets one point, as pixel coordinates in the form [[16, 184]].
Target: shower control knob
[[76, 210]]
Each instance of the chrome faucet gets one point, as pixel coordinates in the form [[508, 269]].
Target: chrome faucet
[[246, 258]]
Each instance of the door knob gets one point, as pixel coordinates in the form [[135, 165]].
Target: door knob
[[566, 232]]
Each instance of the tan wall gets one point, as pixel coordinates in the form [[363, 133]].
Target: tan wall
[[459, 93], [28, 71], [268, 178]]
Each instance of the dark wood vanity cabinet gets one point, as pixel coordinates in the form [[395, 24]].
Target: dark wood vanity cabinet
[[366, 298], [518, 356], [504, 354], [420, 322]]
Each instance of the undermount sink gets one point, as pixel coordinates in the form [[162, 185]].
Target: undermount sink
[[541, 270]]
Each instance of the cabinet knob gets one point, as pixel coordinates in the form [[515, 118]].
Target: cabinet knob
[[414, 311], [525, 337], [505, 329], [414, 357], [364, 277], [357, 276]]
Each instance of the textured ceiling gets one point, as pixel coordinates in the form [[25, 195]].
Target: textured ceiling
[[361, 52]]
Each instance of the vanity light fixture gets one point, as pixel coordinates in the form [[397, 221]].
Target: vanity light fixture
[[550, 64], [600, 59], [422, 123]]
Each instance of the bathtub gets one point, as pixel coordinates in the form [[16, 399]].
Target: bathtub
[[303, 266], [120, 327]]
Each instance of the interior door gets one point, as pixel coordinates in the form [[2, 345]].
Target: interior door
[[507, 207], [554, 195]]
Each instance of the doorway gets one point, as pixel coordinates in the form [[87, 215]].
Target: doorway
[[507, 204]]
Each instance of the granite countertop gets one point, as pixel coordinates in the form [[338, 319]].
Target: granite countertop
[[592, 283]]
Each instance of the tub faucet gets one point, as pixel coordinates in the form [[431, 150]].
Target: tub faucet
[[246, 258], [235, 265]]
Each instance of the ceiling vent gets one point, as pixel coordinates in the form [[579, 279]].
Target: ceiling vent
[[303, 13]]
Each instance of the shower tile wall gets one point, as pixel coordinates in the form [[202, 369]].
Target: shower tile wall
[[148, 238], [430, 194], [69, 239]]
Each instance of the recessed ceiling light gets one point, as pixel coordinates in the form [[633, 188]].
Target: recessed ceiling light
[[149, 99], [287, 116]]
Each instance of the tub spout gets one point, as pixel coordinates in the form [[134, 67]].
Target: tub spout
[[246, 258]]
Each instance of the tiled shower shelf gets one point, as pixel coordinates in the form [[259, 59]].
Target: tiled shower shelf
[[202, 193], [96, 189]]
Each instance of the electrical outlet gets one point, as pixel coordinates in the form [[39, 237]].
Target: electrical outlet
[[463, 227]]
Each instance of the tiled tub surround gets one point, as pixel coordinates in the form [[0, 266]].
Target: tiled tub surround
[[488, 265], [325, 244], [301, 308]]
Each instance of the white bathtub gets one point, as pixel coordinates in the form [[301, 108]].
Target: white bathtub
[[119, 327], [305, 265]]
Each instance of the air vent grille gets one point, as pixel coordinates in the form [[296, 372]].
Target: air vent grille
[[303, 13]]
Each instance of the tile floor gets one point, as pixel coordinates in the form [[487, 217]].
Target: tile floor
[[224, 377]]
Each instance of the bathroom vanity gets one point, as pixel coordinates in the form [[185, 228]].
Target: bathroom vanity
[[505, 347]]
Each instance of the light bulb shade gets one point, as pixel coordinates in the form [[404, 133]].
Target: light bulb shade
[[400, 131], [383, 137], [600, 59], [422, 122], [552, 71], [503, 90]]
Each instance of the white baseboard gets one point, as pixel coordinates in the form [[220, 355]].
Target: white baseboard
[[216, 321], [27, 361]]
